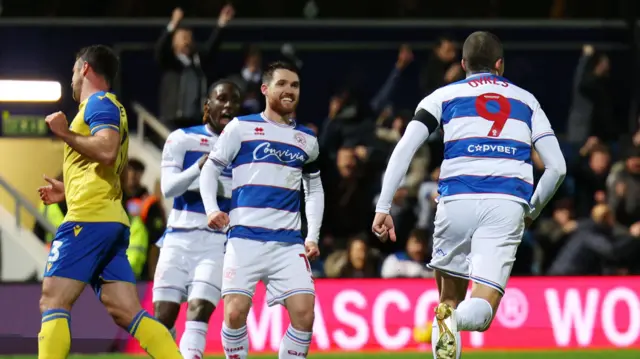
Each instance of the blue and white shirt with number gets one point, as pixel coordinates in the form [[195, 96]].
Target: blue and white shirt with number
[[268, 161], [489, 126]]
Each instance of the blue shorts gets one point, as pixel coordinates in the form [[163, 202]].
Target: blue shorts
[[91, 252]]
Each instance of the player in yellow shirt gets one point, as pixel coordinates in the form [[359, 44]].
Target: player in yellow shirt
[[90, 245]]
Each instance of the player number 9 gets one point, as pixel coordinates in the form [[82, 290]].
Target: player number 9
[[498, 118]]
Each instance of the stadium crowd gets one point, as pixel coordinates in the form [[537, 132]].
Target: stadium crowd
[[592, 226]]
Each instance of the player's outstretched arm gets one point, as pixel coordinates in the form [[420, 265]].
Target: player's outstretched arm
[[414, 136], [555, 169]]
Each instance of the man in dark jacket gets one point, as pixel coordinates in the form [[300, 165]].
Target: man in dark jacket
[[183, 87]]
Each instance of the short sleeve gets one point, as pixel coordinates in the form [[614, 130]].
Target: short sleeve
[[173, 151], [101, 113], [540, 126], [432, 104], [228, 144]]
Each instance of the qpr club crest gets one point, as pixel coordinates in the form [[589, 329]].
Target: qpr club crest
[[300, 139]]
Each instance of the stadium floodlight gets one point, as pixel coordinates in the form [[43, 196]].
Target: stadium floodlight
[[29, 91]]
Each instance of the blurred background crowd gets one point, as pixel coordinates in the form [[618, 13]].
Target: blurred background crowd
[[591, 227]]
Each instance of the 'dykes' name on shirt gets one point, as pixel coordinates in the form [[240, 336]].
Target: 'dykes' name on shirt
[[183, 149], [268, 161], [490, 126]]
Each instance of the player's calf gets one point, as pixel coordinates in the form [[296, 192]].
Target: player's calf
[[476, 313], [194, 339], [58, 296], [235, 337], [296, 341], [167, 313], [121, 301]]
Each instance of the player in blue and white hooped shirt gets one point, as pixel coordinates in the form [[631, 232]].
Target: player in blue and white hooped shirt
[[270, 156], [486, 186], [191, 255]]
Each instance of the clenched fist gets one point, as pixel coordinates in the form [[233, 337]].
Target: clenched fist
[[218, 220], [58, 124]]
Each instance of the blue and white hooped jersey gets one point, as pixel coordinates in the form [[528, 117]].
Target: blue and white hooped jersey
[[490, 126], [184, 148], [268, 161]]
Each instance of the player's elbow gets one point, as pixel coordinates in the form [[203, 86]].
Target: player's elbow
[[108, 158]]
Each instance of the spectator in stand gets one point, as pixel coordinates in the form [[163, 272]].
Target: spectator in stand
[[357, 261], [441, 68], [184, 66], [624, 190], [597, 247], [591, 111], [551, 234], [426, 204], [590, 176], [412, 262], [249, 81]]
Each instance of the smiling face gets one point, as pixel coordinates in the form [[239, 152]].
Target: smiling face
[[282, 91], [222, 106]]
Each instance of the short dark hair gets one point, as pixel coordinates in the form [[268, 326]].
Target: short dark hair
[[225, 82], [136, 165], [267, 76], [481, 50], [102, 59]]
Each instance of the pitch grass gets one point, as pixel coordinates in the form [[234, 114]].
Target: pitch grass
[[569, 354]]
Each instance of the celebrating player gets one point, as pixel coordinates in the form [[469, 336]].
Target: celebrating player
[[486, 186], [190, 263], [269, 155], [90, 245]]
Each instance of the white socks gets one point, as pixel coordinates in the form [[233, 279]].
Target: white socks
[[294, 344], [235, 342], [194, 340], [473, 314]]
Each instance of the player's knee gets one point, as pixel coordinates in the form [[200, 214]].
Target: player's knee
[[120, 306], [301, 312], [199, 310], [236, 310], [55, 298], [166, 313]]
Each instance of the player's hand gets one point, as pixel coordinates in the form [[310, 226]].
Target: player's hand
[[383, 227], [53, 192], [405, 57], [176, 17], [226, 14], [57, 122], [218, 220], [311, 250], [587, 50]]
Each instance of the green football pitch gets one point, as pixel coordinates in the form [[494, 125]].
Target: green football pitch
[[608, 354]]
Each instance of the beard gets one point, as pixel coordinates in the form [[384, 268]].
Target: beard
[[282, 110]]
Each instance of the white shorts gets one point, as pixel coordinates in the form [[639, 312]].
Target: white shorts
[[283, 267], [477, 239], [189, 267]]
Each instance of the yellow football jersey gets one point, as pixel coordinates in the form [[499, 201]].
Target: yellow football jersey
[[93, 190]]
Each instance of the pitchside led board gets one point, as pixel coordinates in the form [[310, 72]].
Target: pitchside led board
[[24, 105]]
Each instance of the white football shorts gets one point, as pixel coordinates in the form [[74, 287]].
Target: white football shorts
[[283, 267], [189, 266], [477, 239]]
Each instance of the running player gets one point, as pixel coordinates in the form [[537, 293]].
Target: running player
[[270, 154], [90, 245], [190, 263], [486, 186]]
